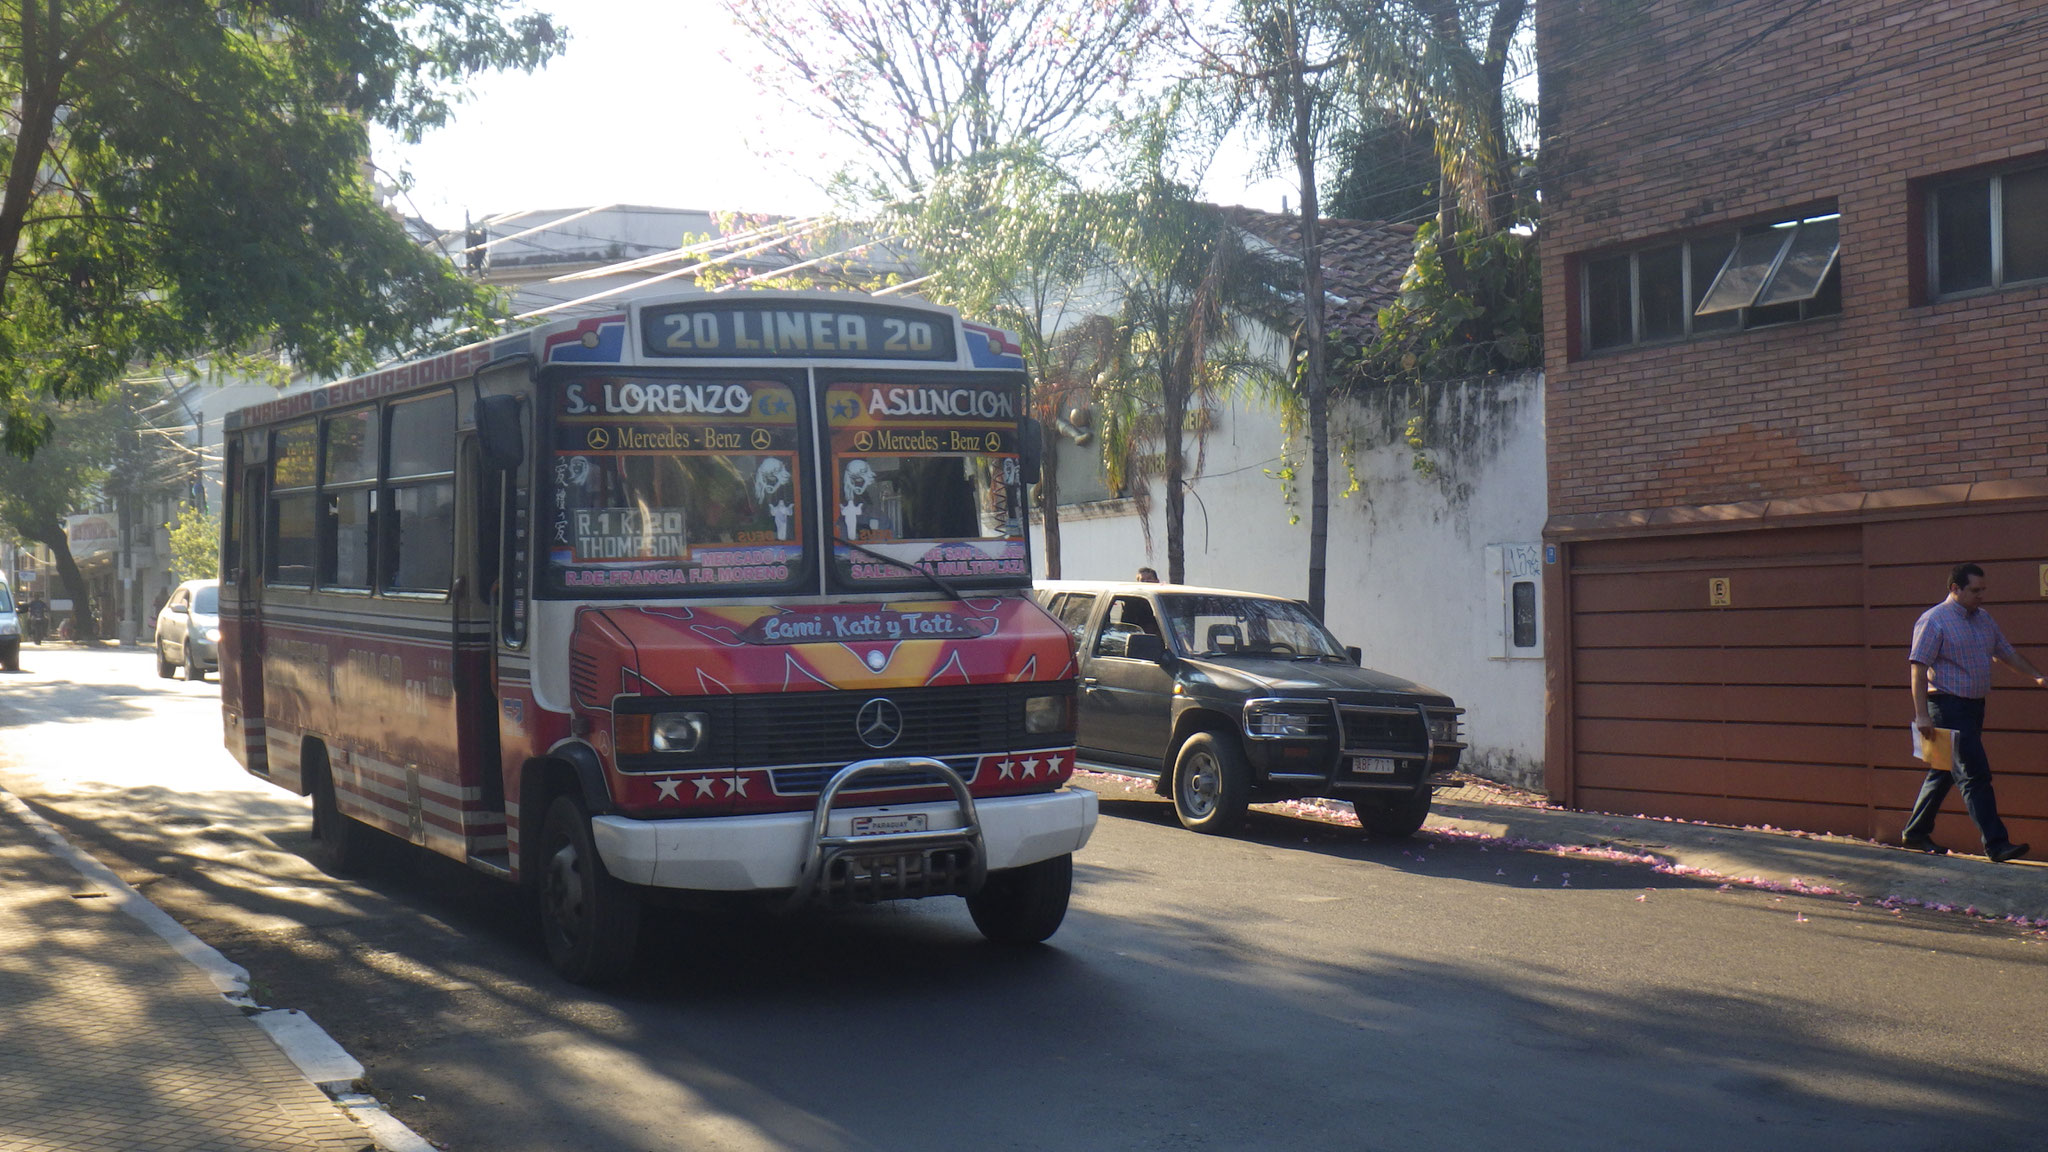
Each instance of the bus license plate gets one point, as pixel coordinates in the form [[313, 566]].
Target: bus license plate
[[1372, 765], [886, 825]]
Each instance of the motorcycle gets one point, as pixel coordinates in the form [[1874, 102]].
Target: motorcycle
[[38, 625]]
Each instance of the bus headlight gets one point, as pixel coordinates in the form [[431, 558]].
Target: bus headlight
[[679, 731], [1043, 714]]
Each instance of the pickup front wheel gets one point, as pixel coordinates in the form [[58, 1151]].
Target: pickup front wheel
[[1211, 784], [1395, 819]]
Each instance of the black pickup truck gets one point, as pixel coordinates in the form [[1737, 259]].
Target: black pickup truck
[[1231, 698]]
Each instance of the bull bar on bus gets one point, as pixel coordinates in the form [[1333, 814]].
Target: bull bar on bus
[[815, 855]]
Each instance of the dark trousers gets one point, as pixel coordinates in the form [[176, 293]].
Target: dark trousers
[[1971, 771]]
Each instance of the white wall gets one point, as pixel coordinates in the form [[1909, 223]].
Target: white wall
[[1408, 580]]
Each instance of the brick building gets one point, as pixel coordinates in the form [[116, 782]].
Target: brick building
[[1796, 281]]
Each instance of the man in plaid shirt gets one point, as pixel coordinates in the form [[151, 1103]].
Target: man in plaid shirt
[[1953, 647]]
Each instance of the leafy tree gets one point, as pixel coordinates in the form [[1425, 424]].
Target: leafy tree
[[1279, 59], [1012, 239], [1441, 66], [36, 496], [1186, 278], [1386, 167], [922, 85], [186, 177], [195, 545]]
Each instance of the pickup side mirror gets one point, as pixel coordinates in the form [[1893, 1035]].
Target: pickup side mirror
[[1356, 654], [1145, 646]]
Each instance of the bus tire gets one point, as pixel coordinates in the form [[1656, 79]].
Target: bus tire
[[589, 920], [1024, 905], [341, 843]]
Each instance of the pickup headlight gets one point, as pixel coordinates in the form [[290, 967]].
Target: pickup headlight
[[1275, 725], [1043, 714], [1443, 729]]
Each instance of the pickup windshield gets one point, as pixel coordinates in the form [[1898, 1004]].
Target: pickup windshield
[[1210, 625]]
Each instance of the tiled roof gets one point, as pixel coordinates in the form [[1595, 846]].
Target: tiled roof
[[1363, 262]]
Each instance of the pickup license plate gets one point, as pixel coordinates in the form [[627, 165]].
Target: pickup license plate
[[885, 825], [1372, 765]]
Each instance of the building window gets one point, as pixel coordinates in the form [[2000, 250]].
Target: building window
[[1988, 233], [1773, 273]]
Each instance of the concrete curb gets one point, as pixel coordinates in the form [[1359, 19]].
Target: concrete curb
[[316, 1054]]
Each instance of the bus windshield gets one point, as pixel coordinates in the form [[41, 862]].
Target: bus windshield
[[926, 472], [665, 486]]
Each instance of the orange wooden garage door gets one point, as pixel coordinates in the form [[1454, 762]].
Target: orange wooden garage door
[[1787, 705]]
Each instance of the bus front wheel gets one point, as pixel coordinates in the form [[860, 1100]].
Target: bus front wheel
[[1024, 905], [589, 919]]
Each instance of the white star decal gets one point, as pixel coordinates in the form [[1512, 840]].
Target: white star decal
[[1005, 768], [704, 786], [668, 789], [737, 786], [1052, 765], [1031, 768]]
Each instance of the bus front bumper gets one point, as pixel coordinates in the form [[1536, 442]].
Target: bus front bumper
[[767, 852]]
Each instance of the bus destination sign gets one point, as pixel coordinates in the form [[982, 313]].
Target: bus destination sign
[[738, 330]]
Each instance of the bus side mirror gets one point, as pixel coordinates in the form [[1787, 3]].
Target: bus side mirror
[[1032, 444], [498, 432]]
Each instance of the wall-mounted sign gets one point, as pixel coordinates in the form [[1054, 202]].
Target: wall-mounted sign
[[1719, 592]]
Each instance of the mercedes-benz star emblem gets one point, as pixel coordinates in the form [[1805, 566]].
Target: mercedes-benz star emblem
[[880, 722]]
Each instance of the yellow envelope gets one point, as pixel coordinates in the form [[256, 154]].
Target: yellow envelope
[[1939, 750]]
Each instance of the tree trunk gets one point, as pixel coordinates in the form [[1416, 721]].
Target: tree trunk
[[1174, 419], [52, 536], [1314, 382], [1049, 493]]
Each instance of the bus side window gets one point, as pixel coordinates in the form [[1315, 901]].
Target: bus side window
[[294, 469], [514, 552], [231, 516], [416, 529]]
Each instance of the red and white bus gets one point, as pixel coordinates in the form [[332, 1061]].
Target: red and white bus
[[716, 593]]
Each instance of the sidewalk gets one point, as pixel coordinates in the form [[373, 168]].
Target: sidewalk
[[1772, 858], [110, 1038], [1797, 861]]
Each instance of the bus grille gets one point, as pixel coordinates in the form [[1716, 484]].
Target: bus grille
[[813, 734]]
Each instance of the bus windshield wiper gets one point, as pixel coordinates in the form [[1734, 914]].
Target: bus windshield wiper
[[950, 591]]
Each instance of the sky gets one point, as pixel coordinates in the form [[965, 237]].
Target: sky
[[646, 108]]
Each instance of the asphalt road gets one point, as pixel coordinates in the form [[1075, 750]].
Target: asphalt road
[[1296, 987]]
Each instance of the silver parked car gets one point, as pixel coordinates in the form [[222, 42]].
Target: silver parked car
[[188, 631]]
